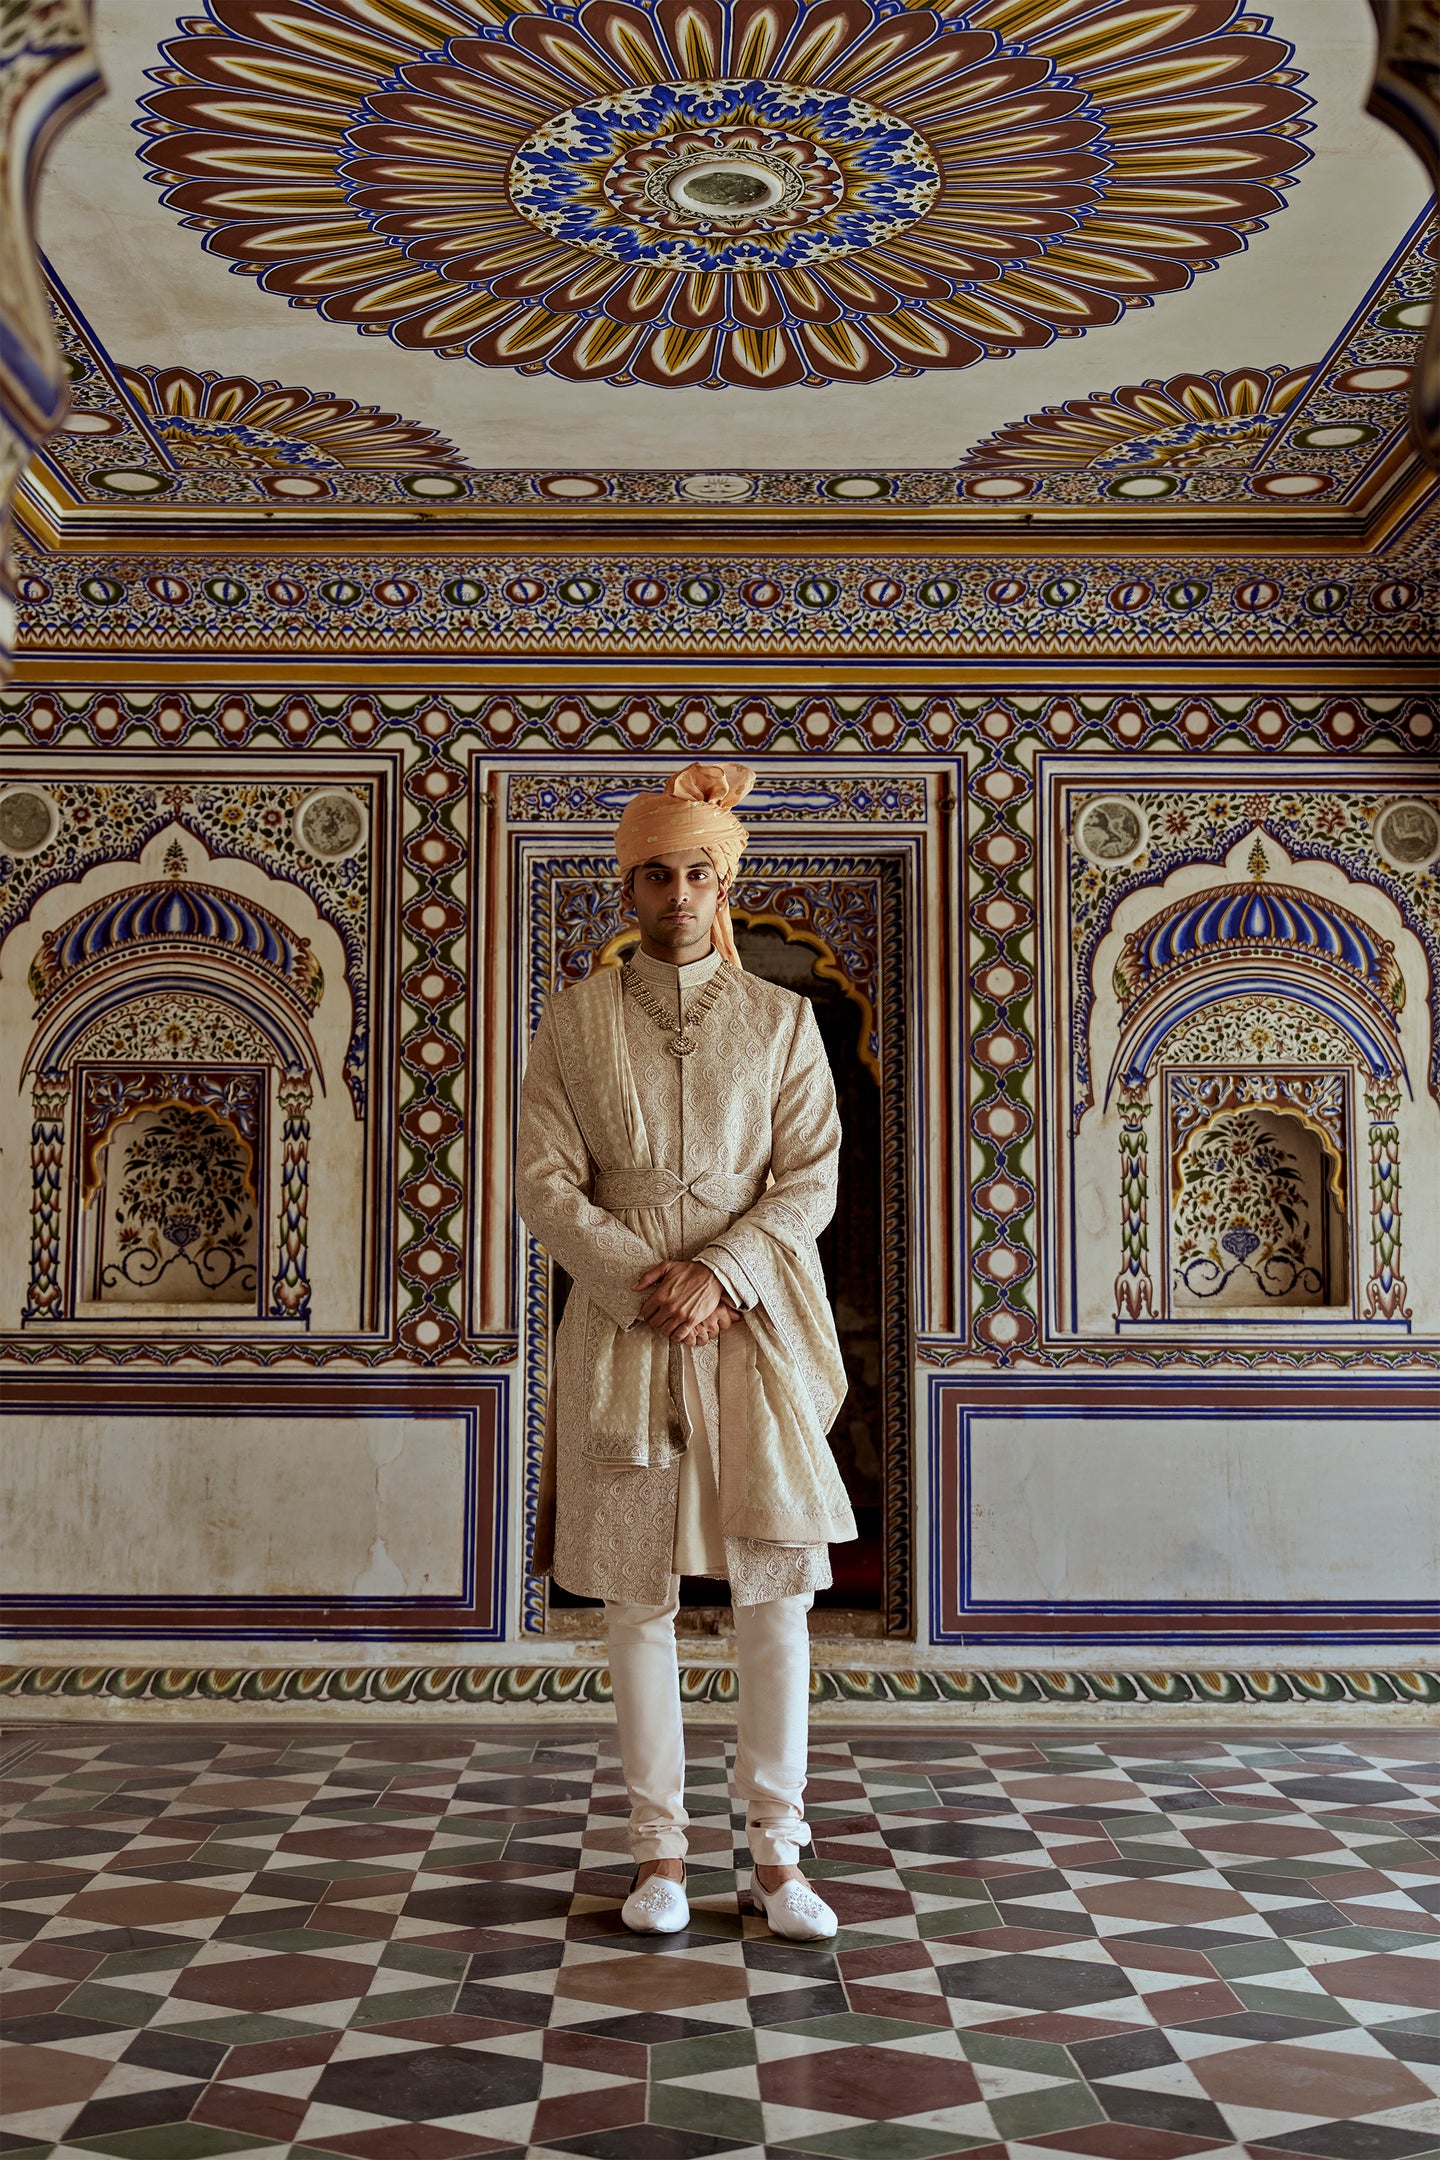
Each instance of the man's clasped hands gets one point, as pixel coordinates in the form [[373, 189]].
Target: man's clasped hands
[[685, 1302]]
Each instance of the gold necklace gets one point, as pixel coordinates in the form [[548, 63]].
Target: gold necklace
[[682, 1041]]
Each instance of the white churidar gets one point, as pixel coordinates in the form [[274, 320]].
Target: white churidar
[[772, 1725]]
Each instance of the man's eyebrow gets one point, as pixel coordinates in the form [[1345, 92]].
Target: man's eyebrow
[[658, 862]]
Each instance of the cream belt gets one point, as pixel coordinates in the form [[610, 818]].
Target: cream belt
[[619, 1189]]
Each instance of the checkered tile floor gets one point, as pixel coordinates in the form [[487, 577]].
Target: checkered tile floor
[[405, 1944]]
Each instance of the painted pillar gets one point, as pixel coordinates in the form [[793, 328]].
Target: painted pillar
[[1385, 1292], [291, 1300], [1133, 1294], [49, 1098]]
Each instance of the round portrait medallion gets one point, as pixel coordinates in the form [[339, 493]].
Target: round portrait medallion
[[29, 820], [330, 824], [1407, 834], [1112, 830]]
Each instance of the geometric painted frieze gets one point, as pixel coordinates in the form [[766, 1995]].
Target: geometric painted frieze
[[1011, 609], [622, 194], [788, 721], [578, 1686], [564, 798]]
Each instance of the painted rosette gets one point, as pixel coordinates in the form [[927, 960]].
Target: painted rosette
[[679, 192]]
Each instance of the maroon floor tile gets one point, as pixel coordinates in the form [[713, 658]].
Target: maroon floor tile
[[264, 2114], [610, 2107], [60, 1960], [352, 1841], [47, 2077], [1129, 2141], [272, 1983], [875, 2083], [410, 2141], [603, 2052], [1388, 1977], [451, 2031], [1138, 1955], [912, 2007], [885, 1958], [1060, 2028]]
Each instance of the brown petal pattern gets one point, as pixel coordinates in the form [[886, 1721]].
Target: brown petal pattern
[[1083, 159]]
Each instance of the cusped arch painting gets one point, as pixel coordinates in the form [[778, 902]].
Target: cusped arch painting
[[679, 192]]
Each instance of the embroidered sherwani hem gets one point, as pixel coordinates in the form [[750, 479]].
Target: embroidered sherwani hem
[[665, 1461]]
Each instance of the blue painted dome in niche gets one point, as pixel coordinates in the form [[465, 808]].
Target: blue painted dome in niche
[[171, 912], [1278, 918]]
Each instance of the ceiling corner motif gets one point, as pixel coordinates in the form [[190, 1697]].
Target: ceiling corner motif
[[1186, 423], [760, 195], [154, 438]]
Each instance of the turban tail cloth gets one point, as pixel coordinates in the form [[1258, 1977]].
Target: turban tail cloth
[[692, 811]]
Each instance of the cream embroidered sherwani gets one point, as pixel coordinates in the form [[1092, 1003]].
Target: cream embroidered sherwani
[[676, 1461]]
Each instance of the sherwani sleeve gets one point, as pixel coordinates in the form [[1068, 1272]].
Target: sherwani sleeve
[[804, 1161], [552, 1189]]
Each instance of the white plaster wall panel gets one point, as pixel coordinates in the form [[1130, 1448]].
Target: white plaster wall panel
[[1071, 1509], [232, 1506]]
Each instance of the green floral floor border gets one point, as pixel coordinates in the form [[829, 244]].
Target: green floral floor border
[[582, 1687]]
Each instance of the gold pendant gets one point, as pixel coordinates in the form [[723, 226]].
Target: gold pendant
[[682, 1046]]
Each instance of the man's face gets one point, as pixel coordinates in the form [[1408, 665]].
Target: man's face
[[675, 898]]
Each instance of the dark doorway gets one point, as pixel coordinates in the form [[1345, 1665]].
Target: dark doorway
[[863, 1253]]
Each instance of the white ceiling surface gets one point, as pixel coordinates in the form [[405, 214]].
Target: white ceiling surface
[[154, 296]]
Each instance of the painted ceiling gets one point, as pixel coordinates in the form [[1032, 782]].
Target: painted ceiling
[[996, 258]]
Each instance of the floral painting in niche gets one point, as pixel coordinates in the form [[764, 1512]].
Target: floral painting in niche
[[1253, 1223], [180, 1222]]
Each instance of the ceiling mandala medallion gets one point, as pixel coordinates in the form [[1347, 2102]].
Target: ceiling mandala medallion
[[680, 192]]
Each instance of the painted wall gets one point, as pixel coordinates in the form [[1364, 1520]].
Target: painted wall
[[1153, 988]]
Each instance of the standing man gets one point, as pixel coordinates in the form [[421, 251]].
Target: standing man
[[677, 1157]]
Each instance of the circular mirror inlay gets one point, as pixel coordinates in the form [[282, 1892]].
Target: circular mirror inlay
[[1407, 834], [729, 187], [29, 820], [1112, 830], [330, 824]]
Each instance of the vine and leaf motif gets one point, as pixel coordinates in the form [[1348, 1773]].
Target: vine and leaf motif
[[186, 1186], [1243, 1208]]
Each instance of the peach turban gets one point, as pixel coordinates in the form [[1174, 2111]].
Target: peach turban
[[693, 810]]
